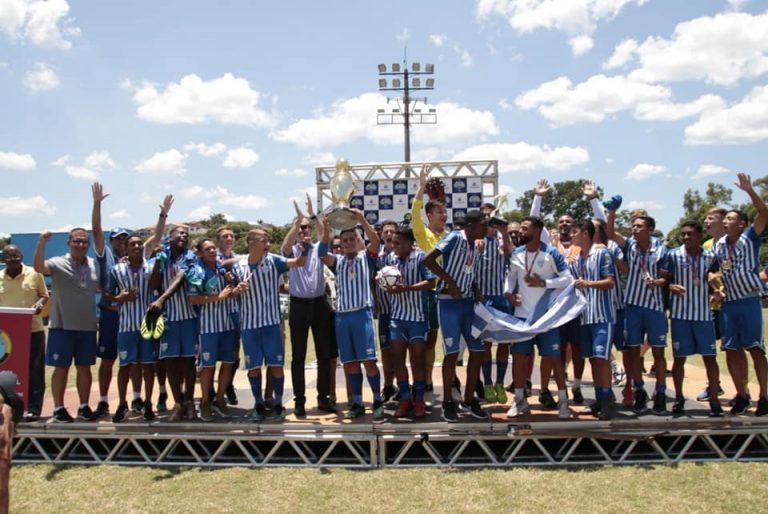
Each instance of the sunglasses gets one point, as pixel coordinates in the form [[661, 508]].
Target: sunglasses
[[336, 246], [304, 227]]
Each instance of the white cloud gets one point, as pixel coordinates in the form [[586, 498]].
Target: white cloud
[[17, 161], [119, 215], [709, 170], [25, 206], [438, 40], [284, 172], [403, 36], [670, 111], [93, 165], [737, 4], [466, 59], [240, 158], [81, 172], [741, 123], [42, 78], [643, 171], [170, 162], [222, 196], [505, 104], [228, 100], [199, 213], [41, 22], [352, 119], [648, 205], [206, 150], [61, 161], [192, 192], [581, 44], [720, 49], [523, 156], [316, 159], [100, 161]]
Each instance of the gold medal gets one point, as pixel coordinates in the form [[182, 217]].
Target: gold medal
[[726, 265]]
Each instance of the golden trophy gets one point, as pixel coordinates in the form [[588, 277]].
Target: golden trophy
[[342, 187], [500, 205]]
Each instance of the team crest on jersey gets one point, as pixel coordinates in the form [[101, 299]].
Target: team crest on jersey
[[369, 351], [164, 347], [449, 342], [206, 356], [247, 359], [123, 355], [102, 348], [55, 356], [279, 358], [676, 345], [599, 349]]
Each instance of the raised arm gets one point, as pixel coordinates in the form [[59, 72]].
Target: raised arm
[[590, 193], [744, 183], [97, 191], [290, 238], [157, 235], [539, 191], [38, 260], [325, 240], [370, 232], [611, 230]]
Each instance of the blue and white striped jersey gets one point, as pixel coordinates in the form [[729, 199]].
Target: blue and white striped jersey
[[617, 294], [459, 262], [411, 305], [124, 276], [384, 299], [217, 316], [492, 267], [597, 266], [641, 265], [740, 265], [177, 307], [353, 281], [691, 273], [107, 261], [260, 303], [235, 271]]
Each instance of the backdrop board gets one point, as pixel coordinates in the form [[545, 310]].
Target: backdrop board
[[15, 331]]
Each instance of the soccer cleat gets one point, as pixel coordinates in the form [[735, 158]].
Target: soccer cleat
[[704, 395], [563, 411], [403, 408], [641, 402], [518, 408], [231, 395], [85, 414], [162, 403], [419, 409], [449, 412], [715, 409], [298, 410], [489, 393], [61, 415], [149, 414], [137, 405], [378, 411], [355, 411], [606, 409], [679, 406], [205, 412], [627, 397], [501, 394], [221, 409], [178, 413], [762, 407], [578, 398], [476, 411], [121, 414], [257, 414], [740, 405], [279, 411], [102, 409], [546, 400]]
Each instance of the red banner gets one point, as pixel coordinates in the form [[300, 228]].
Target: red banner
[[15, 333]]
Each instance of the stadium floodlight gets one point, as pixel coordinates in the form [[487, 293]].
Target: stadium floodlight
[[382, 68], [430, 83], [416, 67], [430, 68], [395, 67], [396, 83], [382, 83], [417, 82]]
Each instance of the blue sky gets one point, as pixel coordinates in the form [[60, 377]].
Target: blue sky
[[230, 105]]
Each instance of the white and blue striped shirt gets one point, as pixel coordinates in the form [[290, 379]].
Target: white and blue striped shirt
[[124, 276], [214, 317], [642, 264], [177, 307], [492, 267], [384, 299], [260, 303], [459, 262], [411, 305], [691, 273], [353, 281], [740, 265], [597, 266], [617, 294]]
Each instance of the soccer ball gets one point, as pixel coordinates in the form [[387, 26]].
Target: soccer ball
[[388, 276]]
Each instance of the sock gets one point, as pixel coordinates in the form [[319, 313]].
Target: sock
[[405, 390], [104, 399], [161, 388], [562, 396], [255, 382], [639, 385], [501, 371], [57, 408], [375, 382], [487, 376], [136, 395], [356, 387], [605, 392], [418, 389], [278, 385], [519, 395], [577, 382], [598, 390], [83, 405], [661, 388]]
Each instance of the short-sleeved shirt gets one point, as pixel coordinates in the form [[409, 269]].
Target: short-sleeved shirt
[[617, 294], [641, 265], [598, 265], [215, 317], [740, 265], [260, 303], [353, 281], [124, 276], [410, 305], [24, 290], [691, 273], [177, 307], [384, 299], [459, 262], [492, 267], [107, 260], [73, 299], [546, 262], [307, 281]]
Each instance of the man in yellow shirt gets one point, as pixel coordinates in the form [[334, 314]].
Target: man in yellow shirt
[[426, 237], [22, 286]]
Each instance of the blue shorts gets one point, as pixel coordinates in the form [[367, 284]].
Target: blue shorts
[[571, 332], [408, 331], [179, 339], [65, 345], [455, 321], [133, 349], [109, 322], [640, 322], [384, 335], [618, 331], [595, 339], [433, 316], [741, 323], [263, 345], [548, 343], [219, 346], [354, 335], [692, 337]]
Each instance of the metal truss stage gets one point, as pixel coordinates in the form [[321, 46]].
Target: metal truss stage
[[647, 440]]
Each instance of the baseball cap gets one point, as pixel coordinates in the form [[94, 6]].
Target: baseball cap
[[119, 231]]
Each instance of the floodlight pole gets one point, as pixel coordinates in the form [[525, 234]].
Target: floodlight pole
[[407, 118]]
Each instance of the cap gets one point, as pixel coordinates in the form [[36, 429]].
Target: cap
[[119, 231]]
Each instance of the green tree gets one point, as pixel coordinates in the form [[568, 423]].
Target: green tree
[[696, 205], [761, 186], [565, 197], [241, 229]]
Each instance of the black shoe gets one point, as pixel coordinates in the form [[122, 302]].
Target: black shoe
[[641, 402], [578, 398], [715, 409], [137, 405], [211, 395], [231, 395], [528, 391], [679, 406], [593, 408], [387, 393], [606, 409], [162, 400], [356, 411], [399, 394], [147, 411], [480, 389], [547, 401], [31, 417], [299, 411], [732, 401], [762, 407], [510, 388], [476, 411], [449, 412], [740, 405], [325, 406], [85, 414], [269, 404], [102, 409], [61, 415], [430, 388], [659, 403], [122, 412]]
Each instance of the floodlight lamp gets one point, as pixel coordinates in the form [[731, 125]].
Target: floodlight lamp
[[416, 66], [430, 82], [382, 82], [432, 110], [395, 83], [396, 67], [380, 111], [416, 82], [382, 68], [395, 111], [430, 68]]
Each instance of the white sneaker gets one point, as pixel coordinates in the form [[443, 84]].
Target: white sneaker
[[518, 408], [563, 411], [618, 377], [428, 399]]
